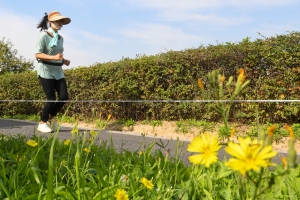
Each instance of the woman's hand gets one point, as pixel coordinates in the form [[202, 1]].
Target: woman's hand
[[67, 62], [46, 57], [58, 56]]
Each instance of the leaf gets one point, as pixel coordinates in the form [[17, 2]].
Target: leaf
[[106, 193], [208, 194]]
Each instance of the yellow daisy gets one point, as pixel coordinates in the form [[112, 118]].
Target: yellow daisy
[[208, 148], [32, 143], [87, 150], [249, 155], [74, 130], [67, 142], [93, 133], [121, 194], [147, 183]]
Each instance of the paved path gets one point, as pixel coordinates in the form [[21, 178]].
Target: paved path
[[120, 140]]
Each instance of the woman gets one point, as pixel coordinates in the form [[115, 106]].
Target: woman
[[49, 53]]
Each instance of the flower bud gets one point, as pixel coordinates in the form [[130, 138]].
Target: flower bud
[[221, 92], [292, 154], [284, 161], [229, 81], [246, 84], [271, 131], [213, 76], [232, 133], [261, 135]]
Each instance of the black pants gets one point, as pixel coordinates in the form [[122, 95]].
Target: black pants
[[50, 86]]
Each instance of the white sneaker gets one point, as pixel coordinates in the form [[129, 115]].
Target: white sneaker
[[44, 128], [52, 124]]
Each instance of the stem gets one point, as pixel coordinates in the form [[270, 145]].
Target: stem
[[255, 195], [225, 120]]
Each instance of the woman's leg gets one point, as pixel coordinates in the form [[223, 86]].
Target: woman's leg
[[48, 86], [61, 88]]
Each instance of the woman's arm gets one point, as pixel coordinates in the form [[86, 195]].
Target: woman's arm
[[45, 57]]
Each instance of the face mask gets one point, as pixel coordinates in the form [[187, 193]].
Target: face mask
[[56, 26]]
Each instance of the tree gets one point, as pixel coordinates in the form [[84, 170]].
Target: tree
[[9, 62]]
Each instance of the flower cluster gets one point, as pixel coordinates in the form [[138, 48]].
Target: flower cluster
[[246, 155]]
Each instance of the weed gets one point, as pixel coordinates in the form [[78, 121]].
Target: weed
[[129, 123]]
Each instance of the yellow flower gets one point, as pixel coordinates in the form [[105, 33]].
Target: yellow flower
[[121, 195], [222, 79], [282, 96], [242, 76], [67, 142], [249, 155], [74, 130], [147, 183], [200, 84], [32, 143], [109, 116], [87, 150], [93, 133], [207, 147]]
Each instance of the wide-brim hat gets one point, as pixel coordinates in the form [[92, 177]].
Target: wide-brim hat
[[55, 16]]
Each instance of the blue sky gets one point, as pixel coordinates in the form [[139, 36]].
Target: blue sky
[[103, 30]]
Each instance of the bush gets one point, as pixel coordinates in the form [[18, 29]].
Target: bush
[[271, 64]]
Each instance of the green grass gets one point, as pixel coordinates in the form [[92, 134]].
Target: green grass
[[35, 118], [184, 126], [73, 172], [88, 168]]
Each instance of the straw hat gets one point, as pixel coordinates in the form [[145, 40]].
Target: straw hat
[[55, 16]]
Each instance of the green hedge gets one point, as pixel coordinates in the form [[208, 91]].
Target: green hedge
[[272, 64]]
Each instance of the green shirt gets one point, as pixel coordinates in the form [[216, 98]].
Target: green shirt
[[44, 70]]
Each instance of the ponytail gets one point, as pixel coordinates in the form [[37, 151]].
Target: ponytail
[[43, 25]]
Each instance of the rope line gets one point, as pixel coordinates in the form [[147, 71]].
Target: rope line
[[160, 101]]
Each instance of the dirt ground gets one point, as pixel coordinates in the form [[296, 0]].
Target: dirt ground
[[169, 130]]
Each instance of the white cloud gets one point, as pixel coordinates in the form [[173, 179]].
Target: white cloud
[[185, 5], [193, 10], [97, 38], [162, 36], [175, 4], [22, 32], [206, 19], [268, 3]]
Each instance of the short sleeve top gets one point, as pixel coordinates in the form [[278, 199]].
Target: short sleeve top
[[44, 70]]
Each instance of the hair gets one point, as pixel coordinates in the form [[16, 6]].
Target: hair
[[43, 25]]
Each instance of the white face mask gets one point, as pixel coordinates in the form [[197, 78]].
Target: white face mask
[[56, 26]]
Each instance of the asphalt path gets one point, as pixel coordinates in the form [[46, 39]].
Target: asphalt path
[[121, 140]]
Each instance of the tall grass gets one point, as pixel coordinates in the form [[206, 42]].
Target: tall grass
[[88, 168]]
